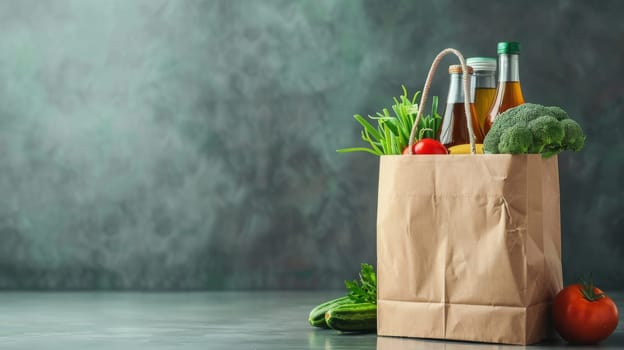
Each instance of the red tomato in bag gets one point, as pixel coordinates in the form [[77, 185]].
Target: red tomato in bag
[[583, 314], [427, 146]]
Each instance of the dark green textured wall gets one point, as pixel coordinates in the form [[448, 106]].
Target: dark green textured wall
[[160, 144]]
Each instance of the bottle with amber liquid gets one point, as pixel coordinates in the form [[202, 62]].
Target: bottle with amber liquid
[[508, 90], [484, 88], [454, 130]]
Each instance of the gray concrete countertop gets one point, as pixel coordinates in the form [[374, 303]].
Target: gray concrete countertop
[[197, 320]]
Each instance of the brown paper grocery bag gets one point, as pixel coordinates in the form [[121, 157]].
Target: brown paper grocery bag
[[468, 246]]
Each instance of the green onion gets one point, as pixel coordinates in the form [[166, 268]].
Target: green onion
[[391, 135]]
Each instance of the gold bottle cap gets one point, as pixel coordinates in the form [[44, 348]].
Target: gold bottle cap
[[457, 68]]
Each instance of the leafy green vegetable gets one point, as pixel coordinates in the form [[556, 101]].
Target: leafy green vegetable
[[364, 291], [533, 128], [391, 135], [429, 126]]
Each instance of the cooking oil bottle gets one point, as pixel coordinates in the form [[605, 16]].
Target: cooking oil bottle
[[508, 90], [454, 130], [484, 88]]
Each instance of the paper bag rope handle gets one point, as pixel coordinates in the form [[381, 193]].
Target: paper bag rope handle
[[425, 94]]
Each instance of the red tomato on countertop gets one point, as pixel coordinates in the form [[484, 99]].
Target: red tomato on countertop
[[427, 146], [583, 314]]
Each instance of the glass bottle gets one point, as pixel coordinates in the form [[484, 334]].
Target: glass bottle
[[454, 130], [484, 88], [508, 91]]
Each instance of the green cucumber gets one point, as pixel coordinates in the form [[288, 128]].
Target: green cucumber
[[317, 315], [361, 317]]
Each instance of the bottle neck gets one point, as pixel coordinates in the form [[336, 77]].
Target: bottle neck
[[508, 68], [485, 79], [456, 89]]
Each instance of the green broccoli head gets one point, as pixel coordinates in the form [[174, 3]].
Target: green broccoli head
[[516, 140], [550, 128], [547, 133], [574, 138], [518, 115]]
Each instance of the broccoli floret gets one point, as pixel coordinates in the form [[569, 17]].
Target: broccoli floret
[[547, 131], [550, 128], [515, 140], [491, 140], [526, 112], [557, 112], [574, 138]]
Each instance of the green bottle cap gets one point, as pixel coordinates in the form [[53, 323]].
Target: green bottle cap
[[508, 47]]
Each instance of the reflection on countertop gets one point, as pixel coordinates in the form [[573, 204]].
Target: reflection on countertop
[[616, 341], [199, 320]]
